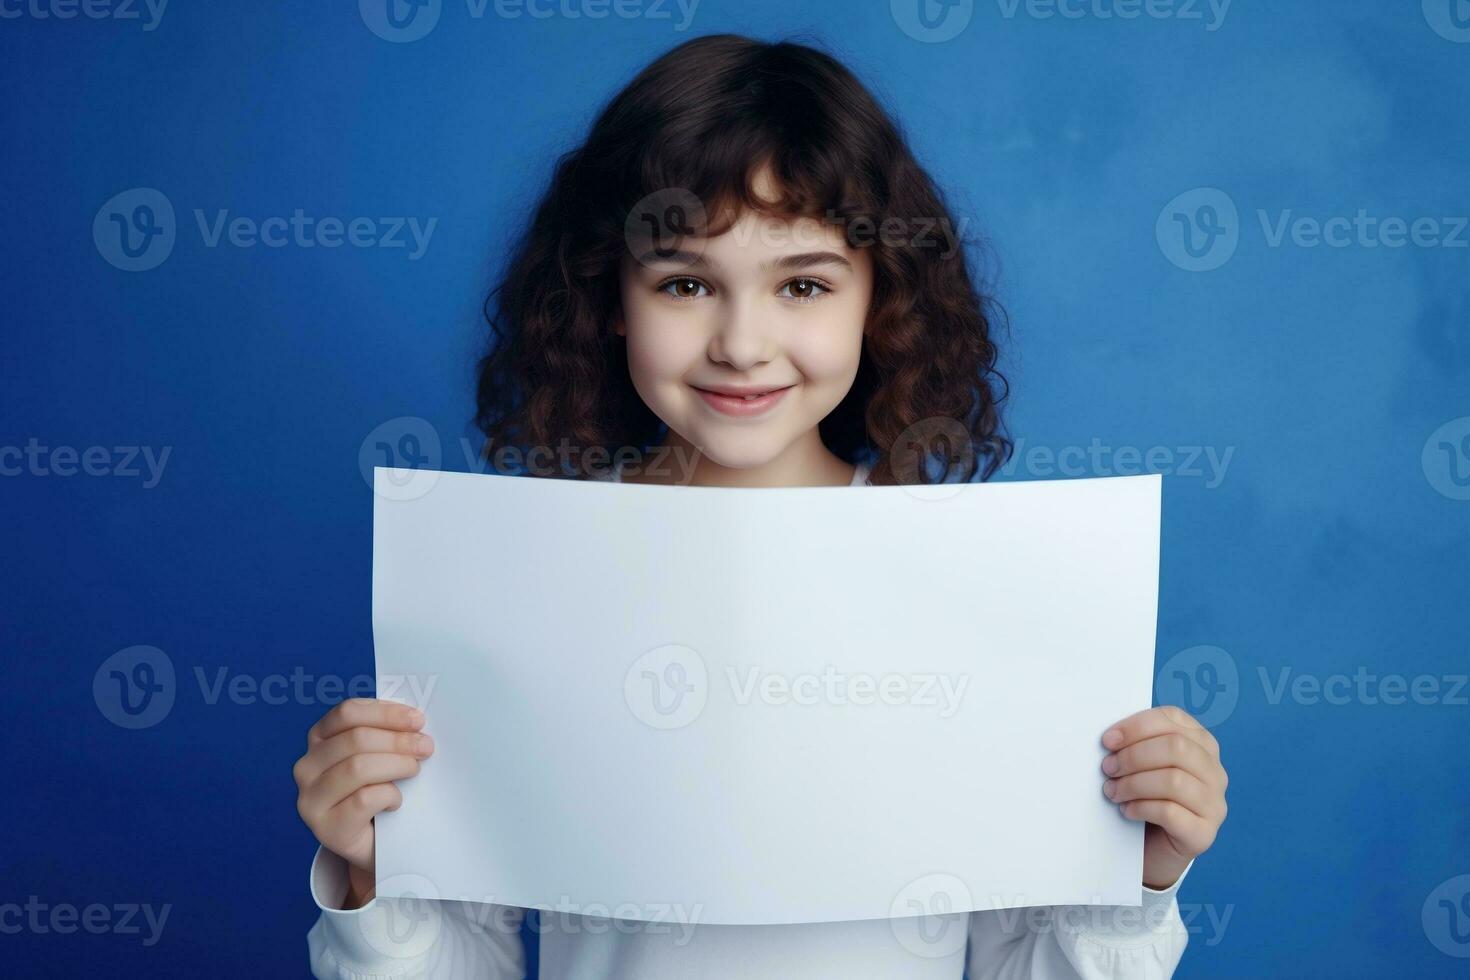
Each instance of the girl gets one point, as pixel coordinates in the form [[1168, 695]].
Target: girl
[[745, 269]]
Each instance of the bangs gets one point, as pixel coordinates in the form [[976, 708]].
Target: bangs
[[726, 181], [704, 131]]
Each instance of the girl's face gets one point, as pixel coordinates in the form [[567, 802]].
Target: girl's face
[[772, 306]]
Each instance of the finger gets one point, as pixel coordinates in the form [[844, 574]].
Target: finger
[[353, 773], [365, 713], [1182, 787], [1158, 721], [1193, 833], [1162, 752], [348, 818], [359, 741]]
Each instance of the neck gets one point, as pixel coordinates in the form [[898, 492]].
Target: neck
[[807, 462]]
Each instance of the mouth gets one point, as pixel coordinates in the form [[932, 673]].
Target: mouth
[[742, 402]]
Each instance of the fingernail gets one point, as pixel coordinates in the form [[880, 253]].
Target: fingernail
[[1110, 764], [415, 716], [1113, 737], [1110, 787], [426, 745]]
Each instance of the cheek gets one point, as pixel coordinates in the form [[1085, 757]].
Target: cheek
[[661, 347], [827, 351]]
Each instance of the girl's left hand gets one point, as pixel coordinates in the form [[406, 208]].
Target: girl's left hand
[[1164, 768]]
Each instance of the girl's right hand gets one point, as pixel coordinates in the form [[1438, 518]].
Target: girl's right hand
[[353, 754]]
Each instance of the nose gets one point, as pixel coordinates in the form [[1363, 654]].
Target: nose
[[742, 338]]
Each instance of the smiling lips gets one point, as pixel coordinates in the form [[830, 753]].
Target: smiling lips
[[742, 400]]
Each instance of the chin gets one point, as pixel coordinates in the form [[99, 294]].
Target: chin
[[735, 449]]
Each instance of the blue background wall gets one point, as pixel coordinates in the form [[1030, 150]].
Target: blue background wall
[[1332, 542]]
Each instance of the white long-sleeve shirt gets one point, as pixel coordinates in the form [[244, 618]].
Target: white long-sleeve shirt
[[456, 940], [451, 940]]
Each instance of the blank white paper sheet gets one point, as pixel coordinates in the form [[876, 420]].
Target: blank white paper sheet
[[762, 706]]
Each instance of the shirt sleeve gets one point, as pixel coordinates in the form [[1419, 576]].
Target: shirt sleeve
[[1080, 942], [408, 938]]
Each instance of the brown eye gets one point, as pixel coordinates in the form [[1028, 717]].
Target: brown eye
[[684, 288], [806, 290]]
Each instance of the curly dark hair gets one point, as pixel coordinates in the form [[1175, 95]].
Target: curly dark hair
[[704, 119]]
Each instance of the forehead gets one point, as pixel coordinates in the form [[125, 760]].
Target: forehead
[[757, 243], [766, 232], [754, 230]]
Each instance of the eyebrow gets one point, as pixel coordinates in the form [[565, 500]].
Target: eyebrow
[[685, 259]]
